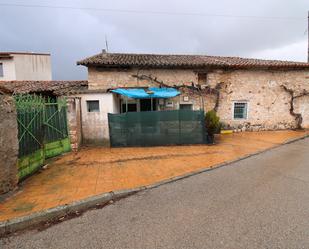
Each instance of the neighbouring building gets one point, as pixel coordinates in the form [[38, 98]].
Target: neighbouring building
[[248, 94], [25, 66]]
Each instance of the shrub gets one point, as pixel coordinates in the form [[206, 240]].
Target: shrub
[[213, 125]]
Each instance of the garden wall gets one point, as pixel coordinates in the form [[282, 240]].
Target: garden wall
[[8, 144]]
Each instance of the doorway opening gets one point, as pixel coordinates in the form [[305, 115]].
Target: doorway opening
[[145, 105]]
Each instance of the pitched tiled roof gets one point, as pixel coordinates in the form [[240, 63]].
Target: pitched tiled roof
[[184, 61], [55, 87]]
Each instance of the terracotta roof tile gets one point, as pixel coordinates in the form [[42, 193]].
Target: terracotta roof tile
[[55, 87], [184, 61]]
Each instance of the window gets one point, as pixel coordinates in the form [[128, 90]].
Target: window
[[145, 105], [132, 107], [240, 110], [93, 106], [131, 103], [1, 70], [185, 107], [202, 78]]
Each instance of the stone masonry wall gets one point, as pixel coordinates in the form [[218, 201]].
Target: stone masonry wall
[[302, 106], [268, 103], [8, 144], [105, 79]]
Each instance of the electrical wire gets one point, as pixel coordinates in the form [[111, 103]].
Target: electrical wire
[[151, 12]]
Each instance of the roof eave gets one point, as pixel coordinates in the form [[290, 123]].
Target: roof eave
[[210, 66]]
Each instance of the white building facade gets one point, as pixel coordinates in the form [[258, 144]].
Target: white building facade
[[25, 66]]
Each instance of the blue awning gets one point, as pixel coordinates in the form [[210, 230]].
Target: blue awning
[[151, 92]]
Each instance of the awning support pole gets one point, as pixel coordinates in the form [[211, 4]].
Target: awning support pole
[[151, 104], [126, 104]]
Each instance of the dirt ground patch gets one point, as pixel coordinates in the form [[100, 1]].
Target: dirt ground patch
[[97, 170]]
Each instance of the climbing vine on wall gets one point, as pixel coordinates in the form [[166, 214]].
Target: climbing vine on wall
[[298, 117]]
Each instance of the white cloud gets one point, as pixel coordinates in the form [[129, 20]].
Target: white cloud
[[294, 52]]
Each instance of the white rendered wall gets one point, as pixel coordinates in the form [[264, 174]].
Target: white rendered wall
[[32, 67], [8, 69], [95, 124]]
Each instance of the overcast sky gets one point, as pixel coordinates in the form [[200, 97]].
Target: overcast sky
[[221, 29]]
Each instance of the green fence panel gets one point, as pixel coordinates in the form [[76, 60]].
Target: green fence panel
[[42, 131], [57, 148], [157, 128], [55, 123], [30, 110], [30, 163]]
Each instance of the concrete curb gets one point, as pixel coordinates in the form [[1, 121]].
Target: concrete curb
[[17, 224], [49, 215]]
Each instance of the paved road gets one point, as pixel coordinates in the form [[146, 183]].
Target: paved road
[[260, 202]]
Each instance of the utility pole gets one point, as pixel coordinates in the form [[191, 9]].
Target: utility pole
[[106, 42], [308, 38]]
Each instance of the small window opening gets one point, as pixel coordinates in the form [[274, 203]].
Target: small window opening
[[93, 105], [240, 110], [202, 78]]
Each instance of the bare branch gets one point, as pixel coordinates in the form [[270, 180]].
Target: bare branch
[[195, 87], [298, 117]]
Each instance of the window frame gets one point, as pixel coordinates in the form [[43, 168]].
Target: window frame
[[123, 107], [186, 104], [1, 70], [123, 101], [247, 109], [93, 100]]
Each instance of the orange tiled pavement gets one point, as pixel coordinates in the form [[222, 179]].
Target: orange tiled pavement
[[93, 171]]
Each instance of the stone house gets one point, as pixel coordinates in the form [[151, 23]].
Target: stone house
[[248, 94]]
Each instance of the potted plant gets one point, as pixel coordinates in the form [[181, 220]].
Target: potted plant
[[213, 126]]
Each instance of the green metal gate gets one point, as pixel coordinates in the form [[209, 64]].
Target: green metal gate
[[42, 131], [157, 128]]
